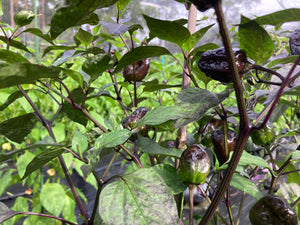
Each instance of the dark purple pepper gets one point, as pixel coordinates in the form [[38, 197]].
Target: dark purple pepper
[[215, 65], [295, 42], [272, 210], [130, 121], [203, 5], [137, 71]]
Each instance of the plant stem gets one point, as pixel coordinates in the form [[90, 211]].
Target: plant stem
[[244, 130], [191, 203], [46, 215], [47, 125]]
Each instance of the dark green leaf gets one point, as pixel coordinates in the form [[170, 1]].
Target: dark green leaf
[[121, 4], [167, 30], [57, 47], [14, 96], [74, 75], [153, 148], [98, 64], [203, 48], [11, 57], [292, 177], [255, 41], [195, 38], [194, 102], [25, 73], [39, 33], [112, 139], [74, 114], [124, 202], [171, 178], [76, 15], [288, 59], [279, 17], [84, 37], [161, 115], [244, 184], [6, 213], [140, 53], [152, 86], [17, 128], [248, 159], [15, 44], [41, 159]]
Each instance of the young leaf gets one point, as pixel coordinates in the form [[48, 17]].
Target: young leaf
[[124, 202], [112, 139], [52, 197], [244, 184], [256, 41], [170, 31], [25, 73], [17, 128], [195, 38], [79, 142], [6, 213], [41, 159], [153, 148], [139, 53]]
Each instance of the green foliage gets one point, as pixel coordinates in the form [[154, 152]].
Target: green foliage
[[68, 112]]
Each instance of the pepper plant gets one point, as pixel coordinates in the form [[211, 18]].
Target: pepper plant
[[110, 93]]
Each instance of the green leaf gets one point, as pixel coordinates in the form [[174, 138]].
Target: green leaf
[[139, 53], [296, 155], [245, 185], [115, 28], [84, 37], [194, 102], [41, 159], [6, 213], [167, 30], [255, 41], [39, 33], [153, 148], [79, 142], [203, 48], [25, 73], [279, 17], [112, 139], [17, 128], [23, 161], [195, 38], [248, 159], [1, 11], [291, 177], [285, 60], [57, 47], [98, 64], [76, 15], [161, 115], [153, 85], [121, 4], [74, 75], [124, 202], [5, 181], [15, 44], [11, 57], [52, 198], [14, 96]]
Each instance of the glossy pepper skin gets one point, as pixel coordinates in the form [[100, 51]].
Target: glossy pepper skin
[[203, 5], [264, 136], [194, 165], [218, 139], [295, 42], [130, 121], [137, 71], [272, 210], [215, 65]]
